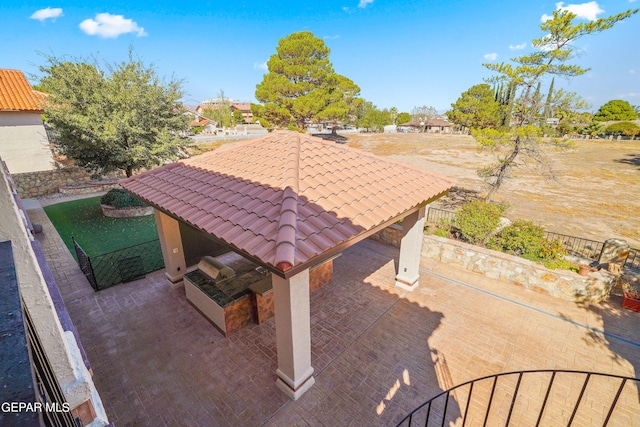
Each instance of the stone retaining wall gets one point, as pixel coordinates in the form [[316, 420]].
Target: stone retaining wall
[[35, 184], [129, 212], [68, 180], [559, 283]]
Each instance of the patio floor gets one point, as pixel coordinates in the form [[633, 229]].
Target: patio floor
[[378, 352]]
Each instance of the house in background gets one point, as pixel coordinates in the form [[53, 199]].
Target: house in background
[[435, 125], [245, 109], [24, 145]]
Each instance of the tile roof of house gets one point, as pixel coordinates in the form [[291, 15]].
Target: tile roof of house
[[431, 122], [286, 198], [16, 93], [242, 106]]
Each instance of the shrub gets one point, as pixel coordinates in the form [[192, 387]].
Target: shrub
[[120, 198], [625, 128], [560, 263], [526, 239], [477, 220]]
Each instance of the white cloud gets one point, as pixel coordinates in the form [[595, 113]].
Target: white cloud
[[491, 56], [630, 95], [107, 25], [261, 65], [331, 37], [517, 46], [48, 13], [589, 11], [632, 71], [364, 3]]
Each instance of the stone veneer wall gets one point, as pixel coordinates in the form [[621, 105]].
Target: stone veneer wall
[[69, 180], [562, 284], [42, 183]]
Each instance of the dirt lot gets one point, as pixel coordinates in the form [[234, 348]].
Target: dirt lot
[[596, 193]]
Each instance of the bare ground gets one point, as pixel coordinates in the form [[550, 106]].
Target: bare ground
[[595, 193]]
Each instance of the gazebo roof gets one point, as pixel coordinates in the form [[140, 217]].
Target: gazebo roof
[[288, 200]]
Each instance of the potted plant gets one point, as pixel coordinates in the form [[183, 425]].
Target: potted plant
[[118, 203], [631, 295]]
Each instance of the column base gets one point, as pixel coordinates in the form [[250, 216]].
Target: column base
[[295, 389], [408, 284], [174, 279]]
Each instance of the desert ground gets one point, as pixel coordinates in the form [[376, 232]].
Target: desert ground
[[595, 193]]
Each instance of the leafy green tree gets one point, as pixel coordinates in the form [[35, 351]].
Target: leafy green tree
[[238, 118], [548, 112], [594, 129], [552, 53], [616, 110], [220, 111], [302, 86], [374, 119], [623, 128], [122, 118], [403, 118], [476, 108]]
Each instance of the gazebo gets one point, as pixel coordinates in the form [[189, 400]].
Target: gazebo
[[289, 202]]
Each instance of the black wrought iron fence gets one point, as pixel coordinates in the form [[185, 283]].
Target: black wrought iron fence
[[84, 261], [120, 266], [577, 246], [440, 216], [633, 260], [541, 397]]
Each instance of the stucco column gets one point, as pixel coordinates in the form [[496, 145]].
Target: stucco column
[[171, 243], [293, 334], [410, 248]]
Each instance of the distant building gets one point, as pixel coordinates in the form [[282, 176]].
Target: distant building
[[435, 125], [243, 107], [24, 145]]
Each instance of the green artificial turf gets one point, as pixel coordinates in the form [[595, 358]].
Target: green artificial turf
[[96, 233]]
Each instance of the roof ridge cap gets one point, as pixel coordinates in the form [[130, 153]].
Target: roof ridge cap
[[288, 223]]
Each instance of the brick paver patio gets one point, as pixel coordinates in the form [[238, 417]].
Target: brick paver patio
[[377, 352]]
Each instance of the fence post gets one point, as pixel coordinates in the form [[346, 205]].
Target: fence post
[[84, 261], [614, 254]]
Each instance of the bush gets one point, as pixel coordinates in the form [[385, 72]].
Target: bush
[[624, 128], [120, 198], [526, 239], [477, 220]]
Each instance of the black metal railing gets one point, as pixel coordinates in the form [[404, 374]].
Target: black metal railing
[[120, 266], [440, 216], [84, 261], [577, 246], [540, 397], [633, 260], [55, 409], [29, 390]]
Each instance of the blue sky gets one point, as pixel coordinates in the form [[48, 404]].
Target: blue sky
[[401, 54]]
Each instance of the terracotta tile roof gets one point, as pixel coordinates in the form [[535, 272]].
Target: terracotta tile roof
[[286, 198], [16, 93], [430, 122]]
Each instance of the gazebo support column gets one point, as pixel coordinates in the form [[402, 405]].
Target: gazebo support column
[[293, 334], [171, 243], [410, 249]]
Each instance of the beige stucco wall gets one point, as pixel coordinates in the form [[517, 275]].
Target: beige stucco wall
[[23, 142]]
